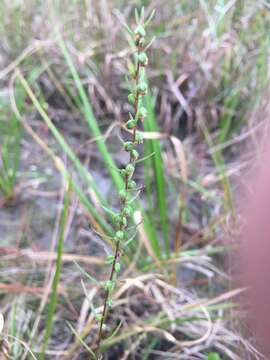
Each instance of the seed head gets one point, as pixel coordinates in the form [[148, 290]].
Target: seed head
[[142, 88], [127, 211], [110, 303], [134, 155], [128, 146], [98, 317], [131, 99], [123, 195], [117, 219], [108, 285], [130, 169], [119, 235], [124, 222], [132, 185], [131, 124], [109, 259], [123, 173]]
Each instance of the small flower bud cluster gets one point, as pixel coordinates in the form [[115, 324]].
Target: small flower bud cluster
[[140, 113]]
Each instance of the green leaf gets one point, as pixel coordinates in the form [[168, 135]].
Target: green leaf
[[150, 124], [56, 280]]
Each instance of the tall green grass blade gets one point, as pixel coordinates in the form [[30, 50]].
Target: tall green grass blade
[[147, 177], [90, 118], [158, 167], [230, 105], [15, 348], [56, 280], [147, 352]]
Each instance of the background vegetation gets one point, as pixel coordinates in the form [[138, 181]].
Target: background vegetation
[[63, 104]]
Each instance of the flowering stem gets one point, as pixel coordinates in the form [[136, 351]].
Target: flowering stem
[[139, 89]]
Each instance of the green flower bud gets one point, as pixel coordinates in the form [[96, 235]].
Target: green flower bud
[[131, 124], [124, 222], [121, 221], [123, 172], [108, 285], [142, 88], [110, 302], [98, 317], [117, 219], [123, 195], [127, 211], [119, 235], [143, 59], [142, 113], [139, 138], [132, 185], [139, 32], [128, 146], [109, 259], [130, 169], [135, 155], [131, 99], [117, 267], [132, 72]]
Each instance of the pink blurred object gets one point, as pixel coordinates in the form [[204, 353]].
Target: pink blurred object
[[254, 257]]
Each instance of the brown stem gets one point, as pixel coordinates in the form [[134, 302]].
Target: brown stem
[[116, 255]]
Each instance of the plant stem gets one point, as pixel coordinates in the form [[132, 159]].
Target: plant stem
[[139, 90], [117, 248], [104, 311]]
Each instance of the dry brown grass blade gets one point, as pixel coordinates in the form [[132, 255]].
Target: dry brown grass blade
[[181, 157], [145, 241], [19, 289], [47, 256]]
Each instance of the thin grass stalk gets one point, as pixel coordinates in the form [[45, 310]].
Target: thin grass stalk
[[56, 280], [158, 167]]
